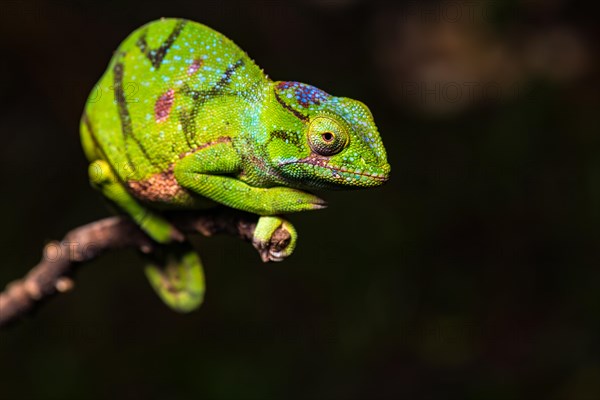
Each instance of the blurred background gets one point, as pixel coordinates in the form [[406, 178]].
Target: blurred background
[[473, 274]]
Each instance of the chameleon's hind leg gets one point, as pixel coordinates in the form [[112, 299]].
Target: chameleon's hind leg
[[175, 272], [103, 178], [172, 267]]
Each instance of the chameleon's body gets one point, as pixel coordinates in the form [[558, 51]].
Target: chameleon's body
[[183, 118]]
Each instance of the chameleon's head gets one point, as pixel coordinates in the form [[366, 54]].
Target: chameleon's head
[[336, 143]]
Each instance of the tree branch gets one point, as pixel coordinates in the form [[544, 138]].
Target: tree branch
[[85, 243]]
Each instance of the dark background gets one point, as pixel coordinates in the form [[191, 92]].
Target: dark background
[[473, 274]]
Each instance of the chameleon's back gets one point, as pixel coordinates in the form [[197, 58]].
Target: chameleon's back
[[165, 93]]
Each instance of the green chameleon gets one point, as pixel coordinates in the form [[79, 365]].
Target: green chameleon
[[192, 122]]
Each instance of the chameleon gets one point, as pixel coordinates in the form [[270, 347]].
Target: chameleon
[[192, 123]]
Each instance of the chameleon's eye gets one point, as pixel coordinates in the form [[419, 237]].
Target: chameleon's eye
[[326, 137]]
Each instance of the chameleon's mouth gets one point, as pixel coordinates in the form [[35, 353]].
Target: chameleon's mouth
[[377, 175], [345, 175]]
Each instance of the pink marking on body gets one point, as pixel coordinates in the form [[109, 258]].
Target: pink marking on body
[[163, 105], [195, 66]]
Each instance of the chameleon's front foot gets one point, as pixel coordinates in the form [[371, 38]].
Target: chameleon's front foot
[[271, 242]]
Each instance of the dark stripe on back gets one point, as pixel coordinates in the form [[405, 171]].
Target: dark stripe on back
[[227, 75], [125, 118], [290, 109], [90, 128], [156, 56], [188, 117]]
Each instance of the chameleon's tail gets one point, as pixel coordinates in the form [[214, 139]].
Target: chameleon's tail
[[175, 272]]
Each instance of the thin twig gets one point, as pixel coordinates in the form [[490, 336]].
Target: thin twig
[[59, 260]]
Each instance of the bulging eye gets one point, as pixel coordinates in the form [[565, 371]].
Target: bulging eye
[[326, 137]]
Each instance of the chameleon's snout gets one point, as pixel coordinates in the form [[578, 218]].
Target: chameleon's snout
[[363, 177], [386, 169]]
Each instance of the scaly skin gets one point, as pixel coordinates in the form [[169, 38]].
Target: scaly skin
[[183, 118]]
